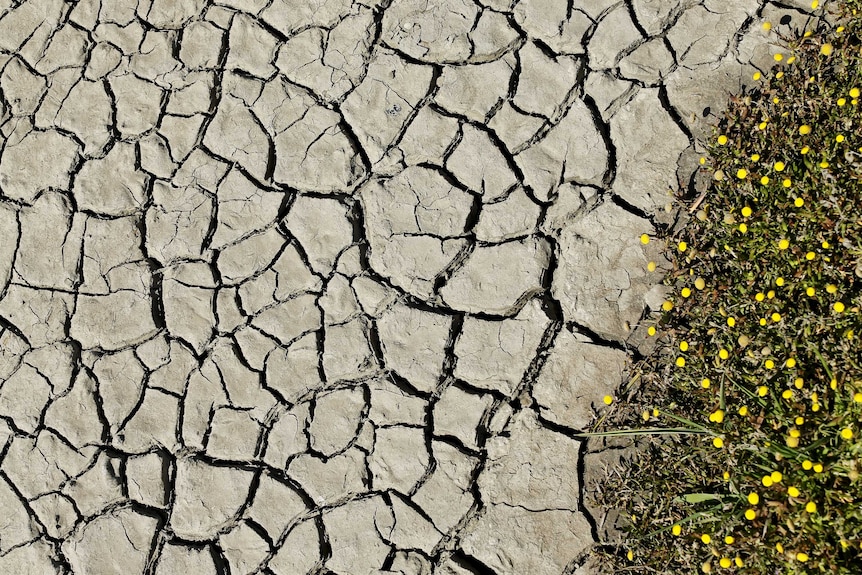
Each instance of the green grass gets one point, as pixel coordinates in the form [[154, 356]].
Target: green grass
[[758, 357]]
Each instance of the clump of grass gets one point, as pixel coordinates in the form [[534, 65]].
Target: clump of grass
[[758, 363]]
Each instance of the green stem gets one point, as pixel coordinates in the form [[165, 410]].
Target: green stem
[[687, 422], [645, 431]]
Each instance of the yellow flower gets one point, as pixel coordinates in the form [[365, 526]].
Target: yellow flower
[[779, 282], [738, 560], [683, 346], [667, 305], [838, 306], [810, 292], [786, 182], [651, 266], [705, 383], [685, 292], [854, 92], [680, 362], [798, 202], [608, 399], [804, 129], [764, 180], [779, 57], [769, 364], [723, 353], [682, 246], [810, 256], [779, 166], [779, 76], [818, 468], [699, 283], [717, 416], [806, 465], [839, 138], [766, 480], [847, 434], [824, 244], [815, 4], [762, 125], [755, 157], [799, 420], [791, 362], [743, 228], [770, 294], [630, 555], [794, 433], [787, 394], [793, 491], [725, 562], [776, 317], [651, 330], [677, 529], [841, 101], [811, 507], [801, 557], [746, 212], [767, 26], [779, 547], [798, 382], [718, 442], [722, 139], [826, 49], [791, 442], [759, 296], [831, 288], [729, 539], [804, 150], [857, 397], [763, 321], [783, 244], [731, 321], [750, 514], [777, 476], [743, 411], [741, 173], [753, 498], [824, 164], [702, 160], [644, 239], [762, 391], [706, 538]]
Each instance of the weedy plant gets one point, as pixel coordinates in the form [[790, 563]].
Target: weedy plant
[[751, 405]]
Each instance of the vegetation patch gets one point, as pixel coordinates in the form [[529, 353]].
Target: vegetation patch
[[750, 408]]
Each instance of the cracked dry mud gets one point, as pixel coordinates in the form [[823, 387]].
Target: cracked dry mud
[[321, 286]]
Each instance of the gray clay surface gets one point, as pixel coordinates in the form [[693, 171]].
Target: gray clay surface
[[329, 286]]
